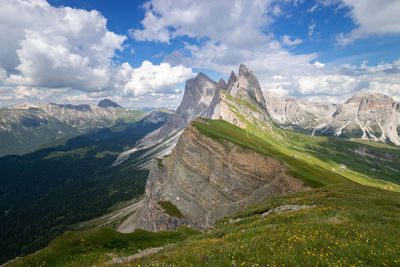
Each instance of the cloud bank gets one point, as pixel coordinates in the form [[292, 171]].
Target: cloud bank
[[43, 48], [237, 31]]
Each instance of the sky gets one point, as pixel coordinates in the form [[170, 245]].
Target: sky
[[140, 53]]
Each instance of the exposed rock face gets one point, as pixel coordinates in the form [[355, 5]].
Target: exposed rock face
[[293, 111], [200, 97], [199, 93], [247, 87], [367, 116], [207, 180], [251, 104]]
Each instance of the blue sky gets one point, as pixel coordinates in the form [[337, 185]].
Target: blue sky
[[140, 53]]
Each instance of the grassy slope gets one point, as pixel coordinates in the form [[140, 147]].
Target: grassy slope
[[316, 155], [95, 246], [351, 225]]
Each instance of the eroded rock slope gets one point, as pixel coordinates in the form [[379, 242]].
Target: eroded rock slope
[[207, 180]]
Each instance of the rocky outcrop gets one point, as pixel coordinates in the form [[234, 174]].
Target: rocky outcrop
[[368, 116], [288, 111], [373, 117], [242, 101], [207, 180], [196, 102], [247, 87]]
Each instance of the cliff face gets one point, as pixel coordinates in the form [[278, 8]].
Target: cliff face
[[287, 110], [367, 116], [196, 101], [243, 98], [207, 180], [374, 117]]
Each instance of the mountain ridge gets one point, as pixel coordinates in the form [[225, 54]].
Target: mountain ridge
[[27, 127]]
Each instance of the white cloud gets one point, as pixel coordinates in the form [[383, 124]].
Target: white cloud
[[311, 30], [45, 46], [227, 44], [313, 8], [288, 42], [149, 78], [236, 22], [373, 18]]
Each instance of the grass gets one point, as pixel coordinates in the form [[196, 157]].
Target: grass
[[159, 163], [92, 247], [170, 209], [312, 175], [315, 160], [351, 225]]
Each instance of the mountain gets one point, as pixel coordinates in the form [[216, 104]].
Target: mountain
[[107, 103], [240, 158], [27, 127], [290, 112], [207, 180], [235, 163], [368, 116], [373, 117], [49, 191], [197, 100]]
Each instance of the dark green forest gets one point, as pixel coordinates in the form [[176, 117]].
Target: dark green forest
[[44, 193]]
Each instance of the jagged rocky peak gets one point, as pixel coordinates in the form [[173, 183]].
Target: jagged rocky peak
[[107, 103], [368, 116], [246, 86], [198, 99], [373, 101], [290, 110], [221, 85], [231, 80], [198, 94]]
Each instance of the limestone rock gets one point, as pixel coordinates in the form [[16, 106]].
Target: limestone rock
[[368, 116], [207, 180]]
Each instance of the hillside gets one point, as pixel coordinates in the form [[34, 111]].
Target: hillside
[[336, 225], [339, 225], [47, 192]]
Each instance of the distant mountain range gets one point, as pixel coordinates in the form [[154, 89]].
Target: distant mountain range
[[27, 127], [371, 116]]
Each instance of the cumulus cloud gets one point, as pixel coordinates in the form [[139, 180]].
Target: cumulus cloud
[[234, 32], [373, 18], [45, 46], [236, 22], [289, 42], [59, 53], [149, 78]]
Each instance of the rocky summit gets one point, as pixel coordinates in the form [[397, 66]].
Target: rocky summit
[[368, 116], [206, 180], [374, 117]]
